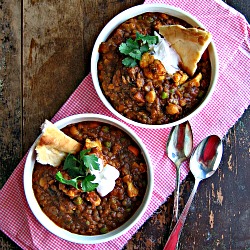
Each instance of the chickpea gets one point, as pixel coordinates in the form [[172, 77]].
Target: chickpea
[[172, 109], [150, 96]]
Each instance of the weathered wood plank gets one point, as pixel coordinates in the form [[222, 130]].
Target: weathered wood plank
[[58, 40], [53, 52], [242, 6], [10, 87], [10, 94]]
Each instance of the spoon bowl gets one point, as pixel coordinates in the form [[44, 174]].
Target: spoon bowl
[[206, 158], [203, 163], [180, 143]]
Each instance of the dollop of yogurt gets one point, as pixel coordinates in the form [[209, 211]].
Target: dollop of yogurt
[[105, 177], [166, 54]]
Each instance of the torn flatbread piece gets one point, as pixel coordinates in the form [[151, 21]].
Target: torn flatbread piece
[[53, 145], [189, 43]]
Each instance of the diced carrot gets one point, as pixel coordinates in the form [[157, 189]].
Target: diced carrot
[[133, 150], [120, 108], [94, 124], [142, 167]]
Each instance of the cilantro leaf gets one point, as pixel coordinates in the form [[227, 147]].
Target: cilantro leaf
[[84, 152], [124, 49], [147, 38], [71, 166], [87, 185], [130, 45], [144, 48], [71, 182], [90, 161], [136, 54], [129, 62], [134, 49], [77, 168], [69, 162]]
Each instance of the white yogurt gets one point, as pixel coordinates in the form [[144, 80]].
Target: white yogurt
[[166, 54], [105, 177]]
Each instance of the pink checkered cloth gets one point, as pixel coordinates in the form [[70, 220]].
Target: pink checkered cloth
[[230, 32]]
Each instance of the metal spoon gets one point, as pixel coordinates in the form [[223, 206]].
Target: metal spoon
[[203, 163], [179, 147]]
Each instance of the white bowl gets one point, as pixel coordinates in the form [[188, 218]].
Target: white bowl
[[137, 10], [64, 234]]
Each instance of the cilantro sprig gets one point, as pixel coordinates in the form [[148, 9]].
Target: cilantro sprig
[[77, 168], [134, 49]]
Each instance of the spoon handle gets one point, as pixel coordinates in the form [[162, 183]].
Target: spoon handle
[[176, 198], [174, 236]]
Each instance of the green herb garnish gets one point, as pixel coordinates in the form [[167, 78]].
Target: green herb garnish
[[71, 182], [77, 168], [134, 49], [87, 185], [90, 161]]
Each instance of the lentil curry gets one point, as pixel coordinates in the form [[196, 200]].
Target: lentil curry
[[87, 213], [141, 93]]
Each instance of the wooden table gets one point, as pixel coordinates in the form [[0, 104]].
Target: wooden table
[[45, 53]]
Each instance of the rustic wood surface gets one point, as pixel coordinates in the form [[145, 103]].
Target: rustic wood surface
[[44, 54]]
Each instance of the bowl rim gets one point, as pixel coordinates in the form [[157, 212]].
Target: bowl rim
[[137, 10], [62, 233]]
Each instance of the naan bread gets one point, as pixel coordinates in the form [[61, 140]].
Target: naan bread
[[53, 146], [189, 43]]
